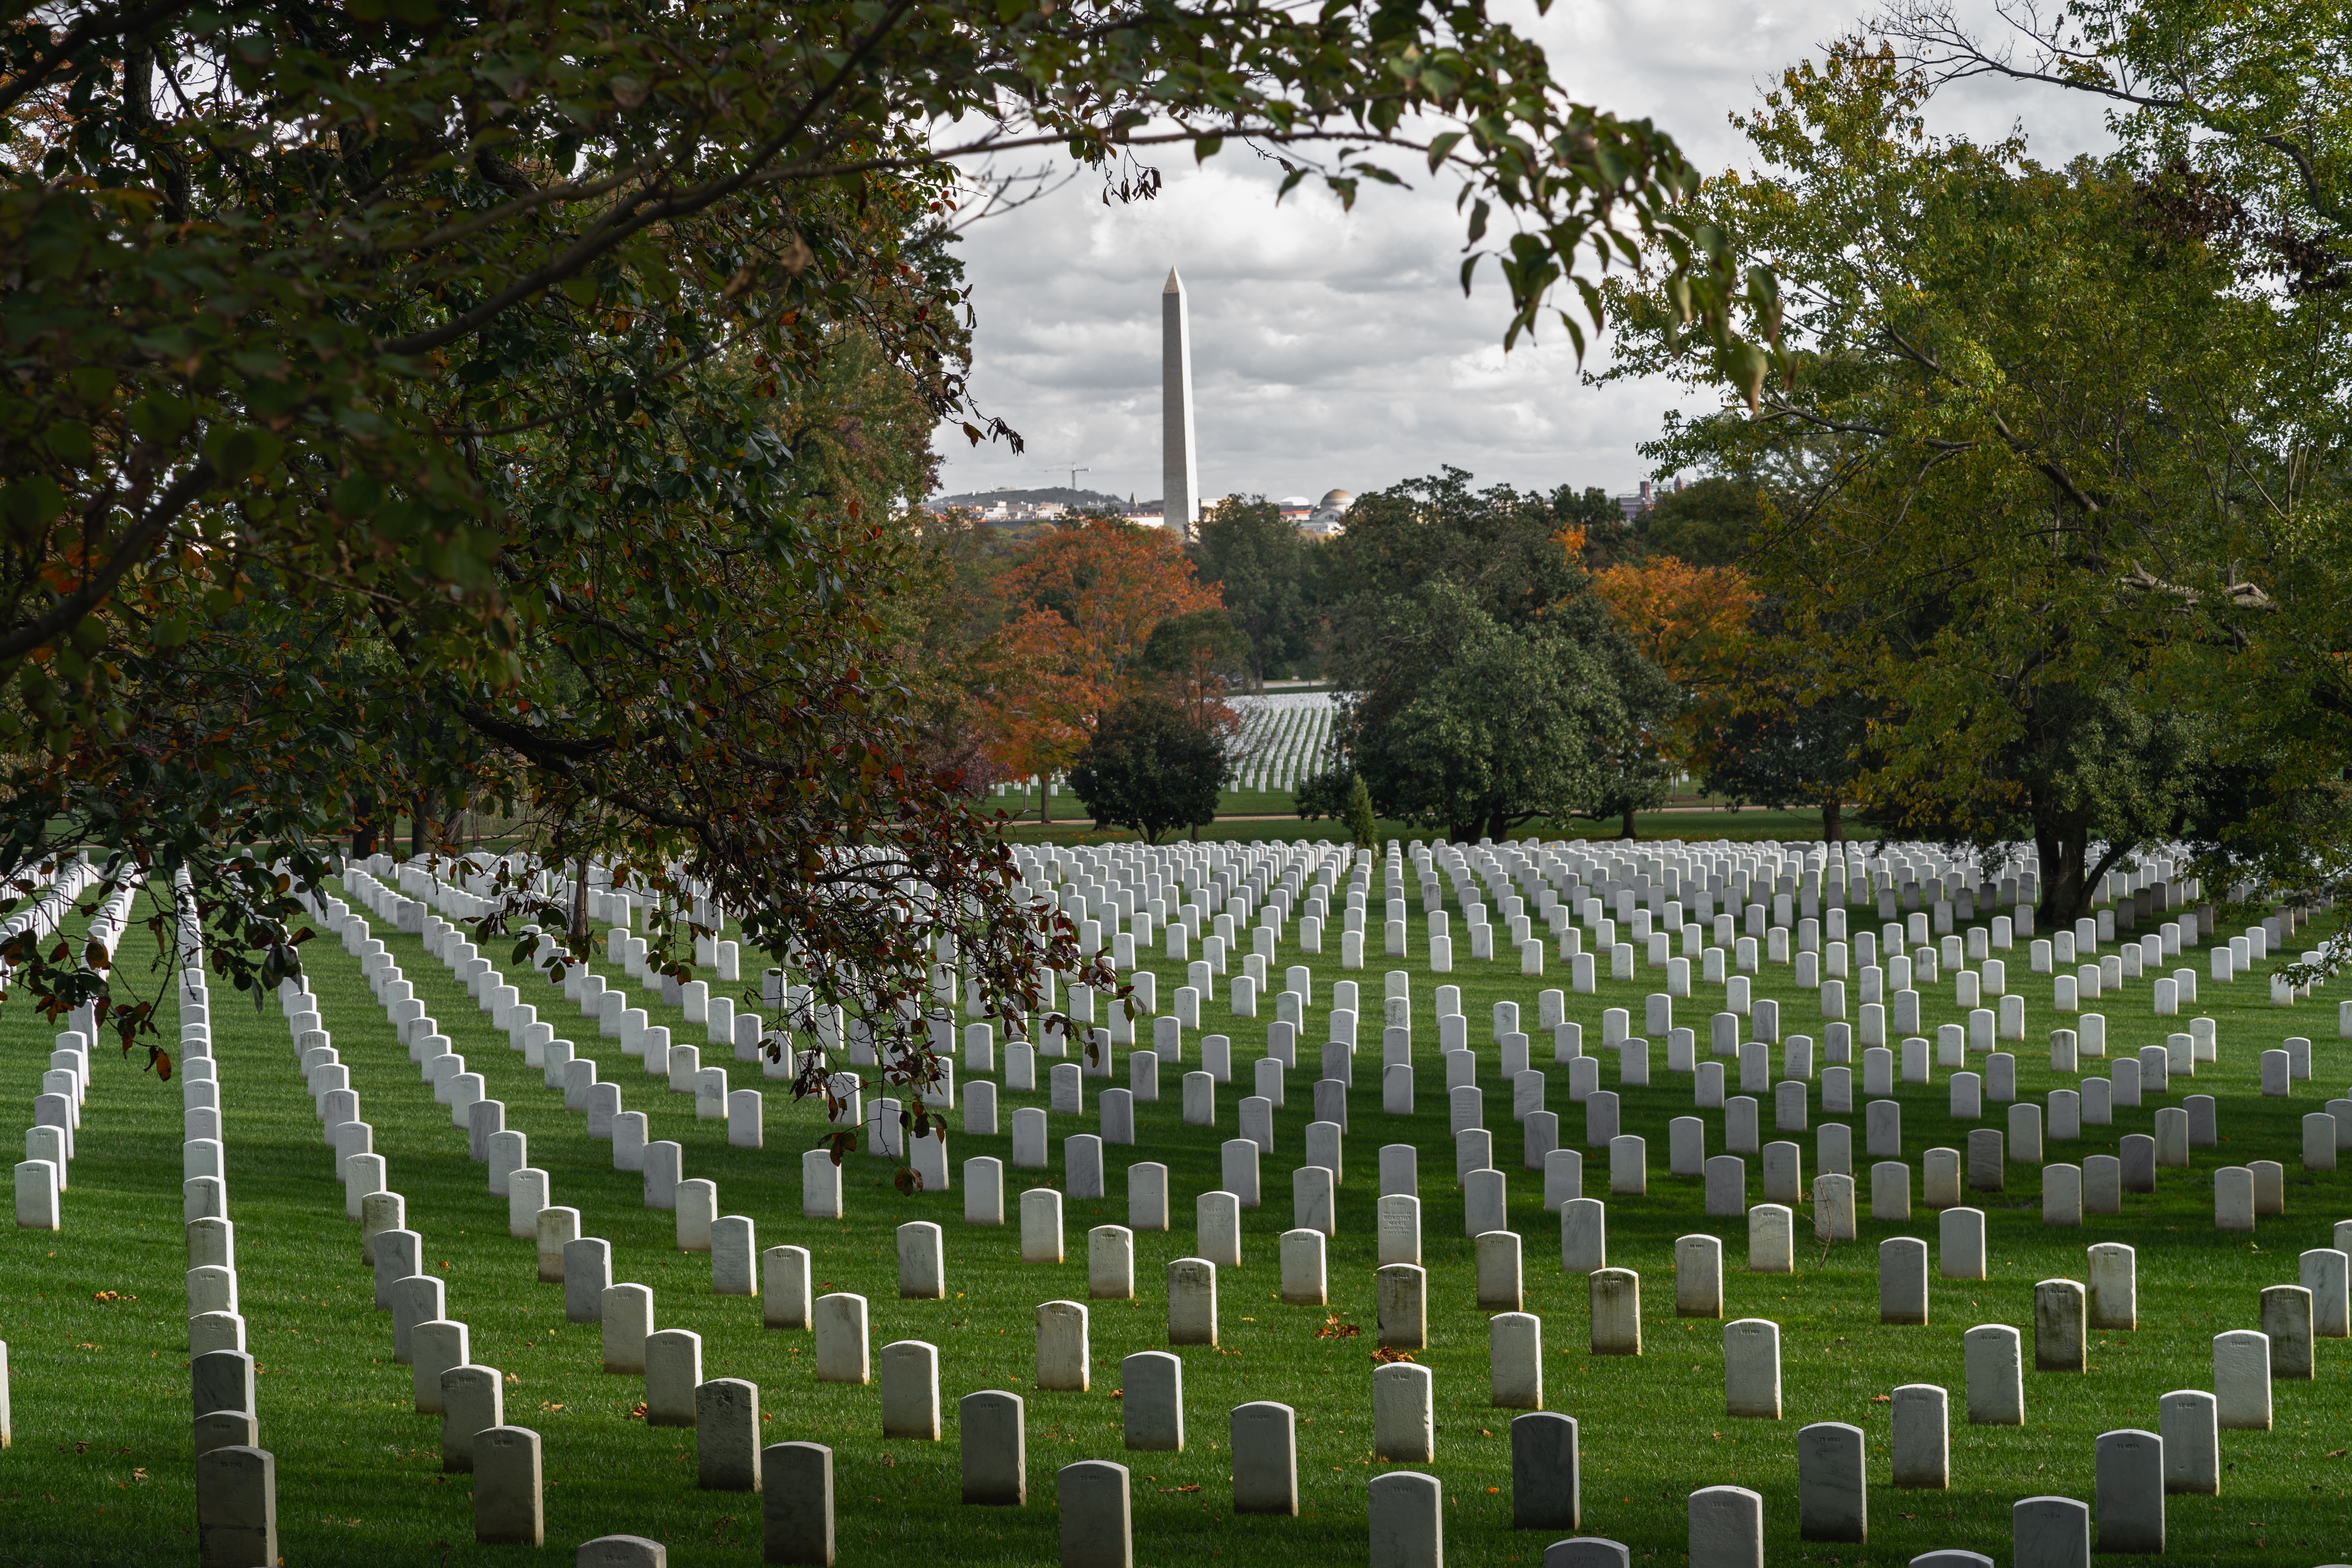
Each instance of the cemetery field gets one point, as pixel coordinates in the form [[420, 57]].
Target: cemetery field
[[1744, 827], [94, 1313]]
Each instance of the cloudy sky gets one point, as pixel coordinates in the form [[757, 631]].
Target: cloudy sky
[[1334, 349]]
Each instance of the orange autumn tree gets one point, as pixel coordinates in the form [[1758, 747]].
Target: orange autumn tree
[[1080, 603], [1689, 621]]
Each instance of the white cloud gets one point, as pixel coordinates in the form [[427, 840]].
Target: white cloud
[[1333, 348]]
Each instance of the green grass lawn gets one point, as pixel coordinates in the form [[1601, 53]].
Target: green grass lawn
[[1229, 803], [100, 1473]]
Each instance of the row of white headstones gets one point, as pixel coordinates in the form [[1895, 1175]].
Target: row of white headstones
[[41, 1178], [1636, 1141], [910, 1377], [2279, 1305], [1384, 1369]]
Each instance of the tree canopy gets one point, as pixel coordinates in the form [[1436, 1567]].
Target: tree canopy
[[1150, 764], [1082, 603], [421, 402], [1490, 685], [1272, 580], [2029, 445]]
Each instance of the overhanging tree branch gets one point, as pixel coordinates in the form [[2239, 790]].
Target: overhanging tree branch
[[134, 548], [88, 30]]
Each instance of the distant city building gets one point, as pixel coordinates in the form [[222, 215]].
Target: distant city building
[[1329, 515], [1006, 505], [1641, 502], [1021, 510]]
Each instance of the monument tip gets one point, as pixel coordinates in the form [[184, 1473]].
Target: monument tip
[[1175, 284]]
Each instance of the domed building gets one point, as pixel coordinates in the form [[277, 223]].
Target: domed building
[[1329, 516]]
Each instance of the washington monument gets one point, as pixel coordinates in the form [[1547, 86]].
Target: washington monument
[[1180, 501]]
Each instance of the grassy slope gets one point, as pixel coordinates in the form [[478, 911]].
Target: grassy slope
[[99, 1473]]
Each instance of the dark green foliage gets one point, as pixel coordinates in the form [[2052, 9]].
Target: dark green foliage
[[1709, 522], [1608, 538], [1149, 767], [419, 406], [1273, 578], [1480, 725], [1201, 650], [1325, 793], [1491, 686], [1783, 756], [1361, 830], [1499, 546]]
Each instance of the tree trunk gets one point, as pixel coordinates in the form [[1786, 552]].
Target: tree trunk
[[580, 904], [1045, 800], [2062, 877], [1629, 823], [1832, 824], [419, 838]]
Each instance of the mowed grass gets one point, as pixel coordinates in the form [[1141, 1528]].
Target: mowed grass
[[100, 1471]]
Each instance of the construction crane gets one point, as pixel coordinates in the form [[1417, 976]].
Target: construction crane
[[1075, 472]]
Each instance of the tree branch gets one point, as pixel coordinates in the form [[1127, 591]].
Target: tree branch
[[129, 552], [1947, 52], [570, 190], [2333, 211], [616, 228], [2050, 466], [87, 30], [1781, 406], [2239, 595]]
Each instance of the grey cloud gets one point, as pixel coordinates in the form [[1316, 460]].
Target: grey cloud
[[1336, 347]]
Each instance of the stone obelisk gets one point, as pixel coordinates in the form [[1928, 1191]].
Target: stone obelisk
[[1181, 499]]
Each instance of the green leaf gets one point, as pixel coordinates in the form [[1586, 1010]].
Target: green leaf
[[161, 418], [31, 505], [68, 441], [358, 496], [236, 453]]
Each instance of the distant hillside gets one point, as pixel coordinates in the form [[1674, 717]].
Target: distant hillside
[[1062, 493]]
